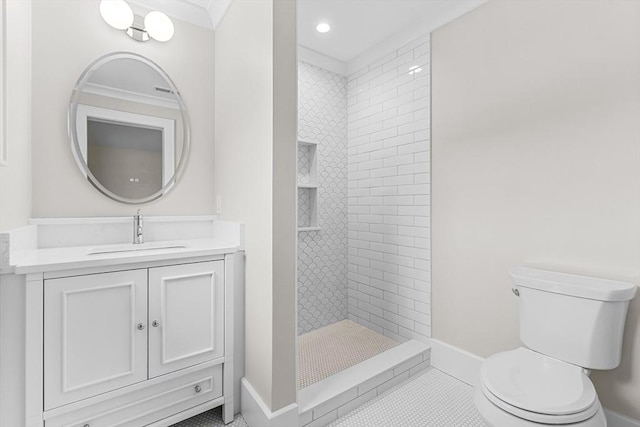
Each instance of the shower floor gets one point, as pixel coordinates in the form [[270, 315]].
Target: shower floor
[[334, 348]]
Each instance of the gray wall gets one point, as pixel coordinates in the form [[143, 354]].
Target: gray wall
[[322, 255], [536, 159]]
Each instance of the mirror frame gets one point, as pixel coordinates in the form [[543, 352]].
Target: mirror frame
[[73, 131]]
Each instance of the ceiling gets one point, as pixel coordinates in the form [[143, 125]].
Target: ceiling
[[359, 25], [204, 13]]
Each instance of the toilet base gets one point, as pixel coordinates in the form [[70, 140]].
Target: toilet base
[[496, 417]]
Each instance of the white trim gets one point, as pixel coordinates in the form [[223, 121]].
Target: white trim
[[228, 383], [84, 112], [256, 413], [401, 38], [321, 60], [237, 287], [456, 362], [127, 95], [217, 10], [183, 10], [34, 351], [465, 367]]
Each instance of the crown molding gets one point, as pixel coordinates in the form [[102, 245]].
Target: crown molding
[[321, 60], [183, 10], [217, 9], [401, 38]]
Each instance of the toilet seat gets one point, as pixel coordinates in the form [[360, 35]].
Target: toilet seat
[[538, 388]]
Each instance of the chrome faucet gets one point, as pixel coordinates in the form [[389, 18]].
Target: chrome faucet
[[137, 229]]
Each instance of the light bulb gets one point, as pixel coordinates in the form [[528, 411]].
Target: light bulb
[[159, 26], [116, 13], [323, 27]]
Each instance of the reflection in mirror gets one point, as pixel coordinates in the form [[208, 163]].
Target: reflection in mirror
[[129, 129]]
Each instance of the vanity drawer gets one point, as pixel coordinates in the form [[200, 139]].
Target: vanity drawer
[[144, 404]]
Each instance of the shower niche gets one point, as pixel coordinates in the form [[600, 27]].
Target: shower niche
[[308, 186]]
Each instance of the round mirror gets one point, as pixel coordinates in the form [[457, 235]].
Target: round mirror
[[128, 127]]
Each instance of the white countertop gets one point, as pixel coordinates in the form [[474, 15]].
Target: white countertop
[[77, 257]]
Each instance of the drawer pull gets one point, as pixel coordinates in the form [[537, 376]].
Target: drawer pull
[[198, 389]]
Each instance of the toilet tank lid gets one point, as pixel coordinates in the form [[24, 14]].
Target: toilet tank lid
[[572, 284]]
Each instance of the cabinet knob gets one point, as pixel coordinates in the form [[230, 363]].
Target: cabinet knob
[[87, 425], [198, 389], [140, 326], [155, 323]]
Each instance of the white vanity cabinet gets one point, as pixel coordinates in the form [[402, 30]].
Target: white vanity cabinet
[[186, 308], [150, 345], [96, 331], [92, 343], [100, 334]]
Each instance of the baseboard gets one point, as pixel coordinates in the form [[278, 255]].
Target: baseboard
[[256, 413], [456, 362], [615, 419], [465, 367]]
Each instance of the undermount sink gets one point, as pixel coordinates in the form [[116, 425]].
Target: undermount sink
[[131, 247]]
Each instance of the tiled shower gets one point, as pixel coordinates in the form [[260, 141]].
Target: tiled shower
[[322, 254], [388, 193], [369, 259]]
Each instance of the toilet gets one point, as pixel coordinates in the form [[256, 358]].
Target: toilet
[[569, 324]]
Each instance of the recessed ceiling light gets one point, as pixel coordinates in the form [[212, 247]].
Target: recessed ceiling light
[[323, 27]]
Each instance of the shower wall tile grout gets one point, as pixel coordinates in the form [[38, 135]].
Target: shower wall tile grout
[[388, 131]]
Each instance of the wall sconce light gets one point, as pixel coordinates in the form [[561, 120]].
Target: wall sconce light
[[118, 14]]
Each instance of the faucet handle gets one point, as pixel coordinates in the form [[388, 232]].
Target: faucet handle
[[137, 228]]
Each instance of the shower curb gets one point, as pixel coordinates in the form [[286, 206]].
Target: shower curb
[[324, 401]]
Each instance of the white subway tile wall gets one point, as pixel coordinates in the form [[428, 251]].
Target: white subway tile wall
[[322, 255], [389, 253]]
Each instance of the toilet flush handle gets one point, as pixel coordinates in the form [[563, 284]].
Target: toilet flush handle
[[515, 291]]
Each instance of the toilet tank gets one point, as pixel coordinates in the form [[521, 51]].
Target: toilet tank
[[573, 318]]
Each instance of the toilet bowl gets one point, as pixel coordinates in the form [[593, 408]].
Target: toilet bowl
[[568, 324], [522, 388]]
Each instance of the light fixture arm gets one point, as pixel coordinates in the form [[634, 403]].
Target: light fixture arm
[[137, 31]]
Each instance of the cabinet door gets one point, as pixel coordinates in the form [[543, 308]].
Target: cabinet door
[[95, 336], [186, 315]]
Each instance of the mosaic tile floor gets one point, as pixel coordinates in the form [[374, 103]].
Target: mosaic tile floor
[[212, 418], [431, 399], [334, 348]]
